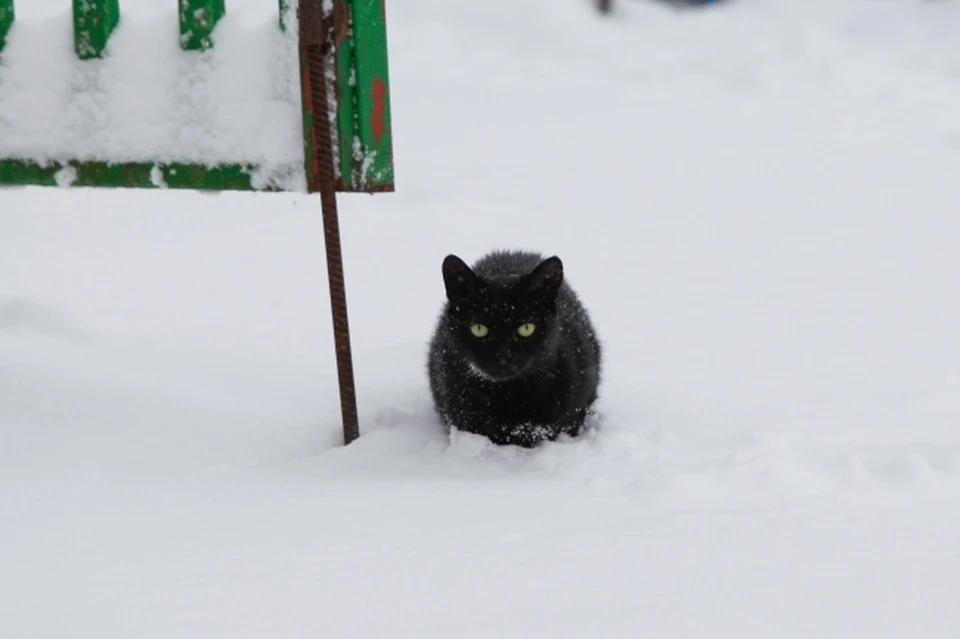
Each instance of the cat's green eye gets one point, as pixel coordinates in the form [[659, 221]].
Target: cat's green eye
[[526, 330], [479, 330]]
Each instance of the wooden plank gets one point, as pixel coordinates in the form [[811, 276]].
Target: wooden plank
[[348, 141], [284, 9], [6, 21], [198, 19], [361, 95], [372, 96], [135, 175], [93, 23]]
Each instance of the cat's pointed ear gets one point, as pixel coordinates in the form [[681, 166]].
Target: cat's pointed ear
[[547, 277], [460, 281]]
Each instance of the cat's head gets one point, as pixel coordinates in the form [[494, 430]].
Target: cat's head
[[502, 326]]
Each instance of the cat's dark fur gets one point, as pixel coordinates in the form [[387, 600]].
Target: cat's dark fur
[[513, 389]]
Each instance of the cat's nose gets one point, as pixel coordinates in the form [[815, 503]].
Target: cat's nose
[[505, 357]]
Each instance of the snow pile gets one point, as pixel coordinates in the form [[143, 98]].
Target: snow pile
[[150, 101]]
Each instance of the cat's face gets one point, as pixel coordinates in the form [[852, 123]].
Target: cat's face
[[502, 327]]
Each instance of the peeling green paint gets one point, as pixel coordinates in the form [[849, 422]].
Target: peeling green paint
[[372, 96]]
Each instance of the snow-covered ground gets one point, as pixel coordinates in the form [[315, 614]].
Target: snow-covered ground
[[758, 202]]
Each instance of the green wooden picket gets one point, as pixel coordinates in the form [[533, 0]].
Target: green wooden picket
[[373, 96], [6, 21], [198, 19], [93, 22], [284, 7]]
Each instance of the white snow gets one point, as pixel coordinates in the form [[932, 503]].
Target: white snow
[[148, 100], [758, 204]]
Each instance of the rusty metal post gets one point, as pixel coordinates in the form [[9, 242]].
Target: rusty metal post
[[317, 51]]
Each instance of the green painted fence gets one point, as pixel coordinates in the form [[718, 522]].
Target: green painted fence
[[198, 19], [93, 23], [6, 21], [362, 126]]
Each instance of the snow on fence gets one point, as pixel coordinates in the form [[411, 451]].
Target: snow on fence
[[90, 99]]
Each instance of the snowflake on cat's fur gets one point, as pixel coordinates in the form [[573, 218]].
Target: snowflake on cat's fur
[[514, 356]]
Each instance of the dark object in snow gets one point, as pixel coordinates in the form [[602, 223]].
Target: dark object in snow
[[514, 356], [606, 6]]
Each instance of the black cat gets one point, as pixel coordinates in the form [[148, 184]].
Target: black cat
[[514, 356]]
